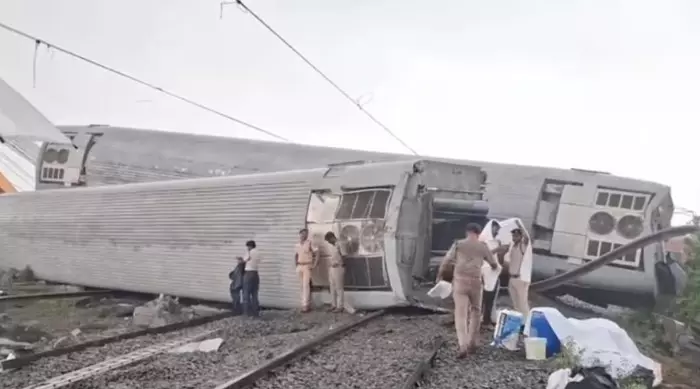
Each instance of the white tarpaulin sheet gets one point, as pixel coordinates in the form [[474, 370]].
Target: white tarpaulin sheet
[[600, 342], [19, 118]]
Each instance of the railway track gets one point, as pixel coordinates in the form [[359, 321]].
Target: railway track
[[320, 350], [263, 334], [389, 351], [296, 351]]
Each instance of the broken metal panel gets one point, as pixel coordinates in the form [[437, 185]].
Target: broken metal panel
[[19, 118], [572, 219], [570, 245], [425, 230], [5, 185], [17, 170], [578, 195], [547, 214], [452, 180]]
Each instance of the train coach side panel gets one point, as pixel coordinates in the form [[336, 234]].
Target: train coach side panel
[[179, 239]]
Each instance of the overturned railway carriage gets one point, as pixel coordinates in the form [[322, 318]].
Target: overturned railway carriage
[[573, 215], [576, 221], [181, 237]]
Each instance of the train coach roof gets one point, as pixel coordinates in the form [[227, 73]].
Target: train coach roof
[[126, 155]]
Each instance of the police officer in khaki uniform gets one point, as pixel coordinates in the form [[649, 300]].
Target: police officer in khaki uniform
[[519, 284], [336, 271], [467, 255], [305, 257]]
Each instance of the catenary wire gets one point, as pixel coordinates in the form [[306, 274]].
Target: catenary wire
[[144, 83], [323, 75]]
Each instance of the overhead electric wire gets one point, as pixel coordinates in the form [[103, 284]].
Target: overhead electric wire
[[144, 83], [324, 76]]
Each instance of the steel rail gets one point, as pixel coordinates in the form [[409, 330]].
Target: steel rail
[[248, 378], [422, 367], [27, 359], [560, 279], [56, 295], [117, 362]]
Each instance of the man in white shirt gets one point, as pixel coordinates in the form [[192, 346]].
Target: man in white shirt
[[251, 280], [498, 249]]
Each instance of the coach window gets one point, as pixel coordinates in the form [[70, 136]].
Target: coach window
[[322, 206], [363, 204]]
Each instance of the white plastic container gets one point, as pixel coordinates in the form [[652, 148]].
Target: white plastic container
[[442, 289], [536, 349]]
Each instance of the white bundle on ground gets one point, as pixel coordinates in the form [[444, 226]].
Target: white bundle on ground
[[600, 342]]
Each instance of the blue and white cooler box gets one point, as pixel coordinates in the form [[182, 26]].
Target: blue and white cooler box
[[538, 326], [507, 331]]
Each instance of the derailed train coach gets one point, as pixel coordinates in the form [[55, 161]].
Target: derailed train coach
[[181, 237], [576, 222]]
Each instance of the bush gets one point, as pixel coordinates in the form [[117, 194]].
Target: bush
[[689, 302]]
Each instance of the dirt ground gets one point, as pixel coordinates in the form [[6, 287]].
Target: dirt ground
[[58, 322]]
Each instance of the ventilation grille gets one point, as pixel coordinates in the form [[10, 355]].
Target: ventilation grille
[[621, 200], [52, 174], [596, 248], [366, 273]]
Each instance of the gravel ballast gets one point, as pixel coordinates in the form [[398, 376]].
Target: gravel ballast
[[487, 368], [380, 354], [247, 342]]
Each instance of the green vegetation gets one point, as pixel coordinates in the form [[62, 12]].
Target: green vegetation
[[688, 308], [569, 357]]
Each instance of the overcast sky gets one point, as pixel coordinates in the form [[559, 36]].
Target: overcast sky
[[597, 84]]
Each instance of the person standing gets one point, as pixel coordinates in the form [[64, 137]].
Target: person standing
[[520, 271], [490, 237], [336, 272], [251, 280], [468, 255], [305, 258], [236, 286]]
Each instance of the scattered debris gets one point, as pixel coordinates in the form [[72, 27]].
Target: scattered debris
[[679, 339], [7, 277], [202, 310], [25, 275], [159, 312], [63, 341], [94, 327], [204, 346], [72, 289], [24, 332], [349, 308], [118, 310], [13, 345], [10, 356]]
